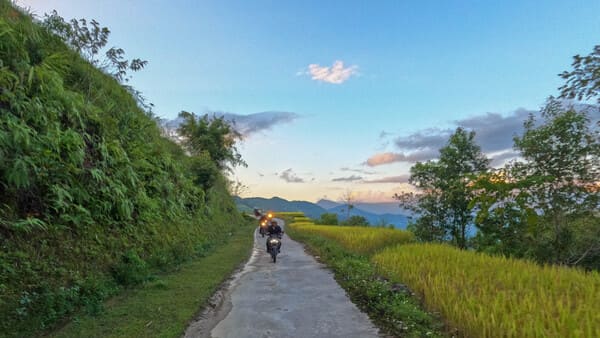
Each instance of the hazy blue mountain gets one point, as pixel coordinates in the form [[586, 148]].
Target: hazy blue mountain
[[398, 220], [279, 204], [374, 208], [314, 211], [327, 204]]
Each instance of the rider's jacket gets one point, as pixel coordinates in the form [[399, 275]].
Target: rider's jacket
[[274, 230]]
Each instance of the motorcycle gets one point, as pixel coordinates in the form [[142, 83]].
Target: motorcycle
[[263, 229], [274, 243]]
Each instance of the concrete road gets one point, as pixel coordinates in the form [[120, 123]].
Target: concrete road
[[295, 297]]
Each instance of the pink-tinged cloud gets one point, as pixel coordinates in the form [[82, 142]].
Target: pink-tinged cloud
[[335, 74], [415, 156], [383, 158]]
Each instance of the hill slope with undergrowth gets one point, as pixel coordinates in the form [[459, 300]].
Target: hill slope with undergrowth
[[92, 198]]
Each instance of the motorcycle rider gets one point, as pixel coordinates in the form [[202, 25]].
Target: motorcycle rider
[[274, 230], [263, 219]]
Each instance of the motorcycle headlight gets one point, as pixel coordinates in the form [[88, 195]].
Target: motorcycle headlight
[[274, 241]]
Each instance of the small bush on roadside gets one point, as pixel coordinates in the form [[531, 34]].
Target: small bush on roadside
[[132, 270]]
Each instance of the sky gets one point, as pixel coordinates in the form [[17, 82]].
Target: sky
[[337, 97]]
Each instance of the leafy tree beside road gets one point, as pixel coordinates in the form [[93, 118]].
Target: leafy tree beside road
[[545, 207], [443, 204]]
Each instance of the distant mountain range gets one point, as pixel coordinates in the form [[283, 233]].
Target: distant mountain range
[[279, 204], [375, 213], [374, 208]]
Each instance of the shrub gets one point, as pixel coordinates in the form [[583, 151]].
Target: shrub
[[328, 218], [132, 270]]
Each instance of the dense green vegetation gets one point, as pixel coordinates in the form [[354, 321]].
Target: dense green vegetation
[[328, 218], [164, 306], [332, 219], [542, 206], [92, 198]]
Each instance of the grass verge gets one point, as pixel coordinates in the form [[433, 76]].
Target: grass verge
[[164, 307], [389, 305]]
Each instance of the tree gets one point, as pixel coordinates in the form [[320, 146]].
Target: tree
[[89, 41], [583, 82], [328, 219], [545, 207], [236, 187], [504, 217], [348, 200], [561, 176], [443, 203], [214, 136], [356, 220], [204, 170]]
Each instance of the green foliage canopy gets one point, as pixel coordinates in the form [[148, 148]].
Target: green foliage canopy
[[214, 136], [355, 220], [537, 208], [328, 219], [443, 204]]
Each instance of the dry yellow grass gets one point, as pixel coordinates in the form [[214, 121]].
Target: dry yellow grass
[[485, 296]]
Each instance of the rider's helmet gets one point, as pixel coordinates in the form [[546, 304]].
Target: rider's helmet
[[273, 223]]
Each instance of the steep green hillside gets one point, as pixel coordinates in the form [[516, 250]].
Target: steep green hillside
[[92, 198]]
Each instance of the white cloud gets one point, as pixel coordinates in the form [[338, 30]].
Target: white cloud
[[335, 74]]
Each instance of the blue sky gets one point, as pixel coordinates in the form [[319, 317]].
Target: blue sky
[[409, 71]]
